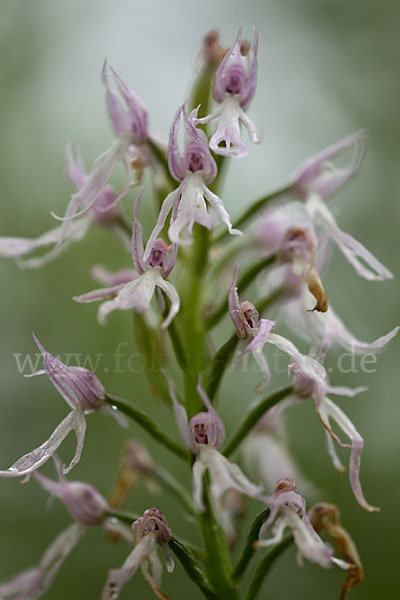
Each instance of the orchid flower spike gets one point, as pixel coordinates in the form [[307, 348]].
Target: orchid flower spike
[[136, 294], [310, 379], [203, 435], [129, 121], [254, 333], [194, 169], [105, 213], [84, 392], [288, 509], [149, 530], [315, 180], [234, 87], [35, 582]]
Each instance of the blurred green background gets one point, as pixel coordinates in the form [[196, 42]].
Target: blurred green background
[[326, 68]]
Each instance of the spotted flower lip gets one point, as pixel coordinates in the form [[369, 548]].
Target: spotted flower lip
[[105, 213], [254, 333], [310, 379], [84, 393], [194, 169], [203, 435], [149, 531], [129, 120], [34, 582], [85, 504], [136, 294], [234, 88], [315, 180], [288, 509]]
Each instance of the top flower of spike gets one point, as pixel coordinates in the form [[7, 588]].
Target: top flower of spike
[[234, 87]]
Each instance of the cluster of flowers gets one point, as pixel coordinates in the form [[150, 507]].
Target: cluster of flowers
[[288, 245]]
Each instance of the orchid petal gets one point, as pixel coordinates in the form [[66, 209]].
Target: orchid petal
[[228, 130], [109, 278], [33, 583], [328, 409], [137, 236], [371, 269], [74, 166], [335, 330], [169, 202], [100, 294], [251, 129], [35, 459], [219, 208], [181, 417], [117, 578], [173, 296], [96, 182], [175, 159]]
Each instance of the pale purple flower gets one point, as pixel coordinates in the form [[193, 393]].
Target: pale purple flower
[[267, 457], [194, 169], [129, 121], [84, 503], [203, 435], [254, 333], [149, 531], [234, 87], [136, 294], [288, 510], [35, 582], [315, 180], [310, 379], [84, 393], [105, 213], [287, 231], [325, 329]]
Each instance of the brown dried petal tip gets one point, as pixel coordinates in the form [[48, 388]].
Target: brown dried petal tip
[[326, 517]]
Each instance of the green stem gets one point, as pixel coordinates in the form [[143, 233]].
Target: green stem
[[150, 346], [253, 210], [168, 481], [192, 569], [219, 364], [123, 516], [244, 281], [254, 416], [174, 337], [193, 325], [249, 549], [134, 413], [217, 560], [263, 567]]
